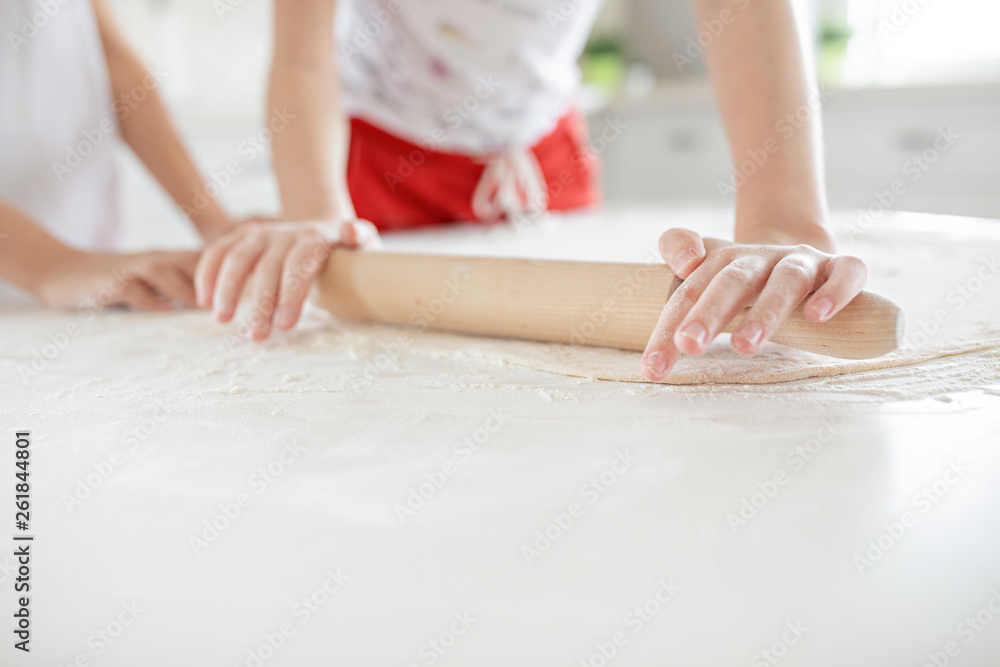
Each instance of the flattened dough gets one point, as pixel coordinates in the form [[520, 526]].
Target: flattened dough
[[719, 365], [945, 280]]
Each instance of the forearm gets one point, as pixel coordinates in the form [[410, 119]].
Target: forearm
[[27, 252], [760, 76], [310, 153], [147, 129]]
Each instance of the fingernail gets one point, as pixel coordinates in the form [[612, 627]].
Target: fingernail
[[222, 310], [285, 317], [682, 258], [822, 308], [656, 365], [752, 333], [695, 332]]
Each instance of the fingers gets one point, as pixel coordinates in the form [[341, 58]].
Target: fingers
[[359, 233], [267, 283], [186, 262], [302, 264], [140, 296], [284, 260], [236, 268], [169, 281], [208, 268], [661, 352], [683, 251], [847, 277], [730, 290], [790, 281]]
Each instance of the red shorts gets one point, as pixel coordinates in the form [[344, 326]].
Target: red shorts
[[397, 184]]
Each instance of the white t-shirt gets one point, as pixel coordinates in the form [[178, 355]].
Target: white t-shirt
[[58, 128], [464, 76]]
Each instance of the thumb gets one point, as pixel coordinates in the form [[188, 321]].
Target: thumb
[[683, 251], [359, 233]]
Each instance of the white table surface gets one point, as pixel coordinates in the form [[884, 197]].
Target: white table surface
[[205, 419]]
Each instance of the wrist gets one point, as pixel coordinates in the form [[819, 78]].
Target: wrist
[[784, 228], [211, 228], [60, 260], [800, 218]]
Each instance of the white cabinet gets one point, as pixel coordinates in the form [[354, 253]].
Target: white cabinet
[[673, 148]]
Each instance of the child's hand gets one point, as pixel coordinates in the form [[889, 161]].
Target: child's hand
[[283, 258], [143, 281], [721, 278], [213, 232]]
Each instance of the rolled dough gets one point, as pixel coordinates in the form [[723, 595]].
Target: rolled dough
[[946, 280]]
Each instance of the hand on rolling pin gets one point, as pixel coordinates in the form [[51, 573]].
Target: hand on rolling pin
[[142, 281], [282, 259], [722, 278]]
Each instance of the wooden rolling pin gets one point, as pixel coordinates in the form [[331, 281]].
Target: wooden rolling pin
[[584, 303]]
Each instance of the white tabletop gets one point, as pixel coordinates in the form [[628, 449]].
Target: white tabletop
[[689, 526]]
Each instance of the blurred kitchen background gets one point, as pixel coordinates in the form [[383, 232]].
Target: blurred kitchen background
[[893, 73]]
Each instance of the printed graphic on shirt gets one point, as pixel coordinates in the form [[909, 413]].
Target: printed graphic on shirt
[[468, 76]]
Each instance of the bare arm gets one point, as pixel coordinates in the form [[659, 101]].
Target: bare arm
[[310, 154], [64, 277], [783, 252], [147, 129], [281, 260], [759, 71], [27, 251]]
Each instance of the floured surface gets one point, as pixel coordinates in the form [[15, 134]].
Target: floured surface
[[943, 275], [720, 365], [191, 413]]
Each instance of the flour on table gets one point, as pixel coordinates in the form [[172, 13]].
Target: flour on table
[[944, 279]]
